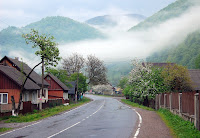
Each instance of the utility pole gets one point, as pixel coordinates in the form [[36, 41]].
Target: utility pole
[[41, 92]]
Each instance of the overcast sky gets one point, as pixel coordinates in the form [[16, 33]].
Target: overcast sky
[[22, 12]]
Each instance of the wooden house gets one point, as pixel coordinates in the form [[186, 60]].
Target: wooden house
[[72, 90], [56, 89], [34, 77], [10, 85]]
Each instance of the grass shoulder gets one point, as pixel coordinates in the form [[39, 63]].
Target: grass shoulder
[[3, 129], [178, 126], [37, 115], [136, 105]]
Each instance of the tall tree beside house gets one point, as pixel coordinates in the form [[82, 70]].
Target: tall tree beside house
[[96, 70], [74, 64], [46, 49]]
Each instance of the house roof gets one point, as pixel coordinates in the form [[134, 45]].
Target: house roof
[[159, 64], [195, 78], [34, 76], [61, 84], [16, 76], [72, 89]]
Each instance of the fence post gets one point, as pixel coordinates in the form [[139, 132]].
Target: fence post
[[170, 101], [156, 102], [165, 96], [196, 110], [159, 98], [180, 102]]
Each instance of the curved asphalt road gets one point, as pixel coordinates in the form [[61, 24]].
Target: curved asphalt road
[[102, 118]]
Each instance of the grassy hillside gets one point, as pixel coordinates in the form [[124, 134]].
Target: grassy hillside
[[64, 30], [171, 11], [185, 53]]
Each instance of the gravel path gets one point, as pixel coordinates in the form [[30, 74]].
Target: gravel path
[[152, 125]]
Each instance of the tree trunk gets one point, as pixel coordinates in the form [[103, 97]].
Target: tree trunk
[[13, 106], [22, 89]]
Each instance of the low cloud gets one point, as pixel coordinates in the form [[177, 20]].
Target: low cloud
[[122, 45], [126, 45]]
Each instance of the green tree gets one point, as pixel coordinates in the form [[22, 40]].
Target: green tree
[[123, 82], [46, 49], [82, 81], [61, 74], [177, 78]]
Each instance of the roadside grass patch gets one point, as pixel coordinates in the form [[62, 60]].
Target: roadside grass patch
[[37, 115], [103, 95], [3, 129], [178, 126], [136, 105]]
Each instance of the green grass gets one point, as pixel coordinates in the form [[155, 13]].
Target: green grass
[[104, 95], [179, 127], [3, 129], [136, 105], [37, 115]]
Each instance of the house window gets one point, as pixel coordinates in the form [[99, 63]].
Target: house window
[[34, 97], [3, 98], [45, 92], [26, 97]]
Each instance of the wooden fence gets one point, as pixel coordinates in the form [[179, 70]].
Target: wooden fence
[[185, 104]]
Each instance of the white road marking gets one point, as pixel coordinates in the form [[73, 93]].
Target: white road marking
[[76, 123], [20, 128], [41, 121], [139, 125], [140, 121]]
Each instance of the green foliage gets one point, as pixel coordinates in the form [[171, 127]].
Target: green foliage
[[117, 70], [179, 127], [65, 30], [177, 78], [186, 53], [82, 85], [61, 75], [123, 82], [44, 113], [173, 10], [46, 47], [136, 105]]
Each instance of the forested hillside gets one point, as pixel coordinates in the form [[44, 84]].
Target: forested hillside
[[187, 53], [171, 11], [64, 30], [117, 70], [112, 20]]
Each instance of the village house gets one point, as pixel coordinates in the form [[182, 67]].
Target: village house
[[56, 89], [18, 68], [72, 91], [11, 81], [195, 78]]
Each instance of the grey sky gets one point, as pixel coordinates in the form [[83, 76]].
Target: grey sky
[[22, 12]]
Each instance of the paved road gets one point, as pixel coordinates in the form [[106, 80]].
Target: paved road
[[101, 118]]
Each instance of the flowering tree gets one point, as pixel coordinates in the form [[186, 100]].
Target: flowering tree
[[144, 81], [102, 88]]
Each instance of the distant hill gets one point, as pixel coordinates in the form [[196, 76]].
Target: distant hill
[[112, 20], [171, 11], [64, 30], [185, 53], [117, 70]]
